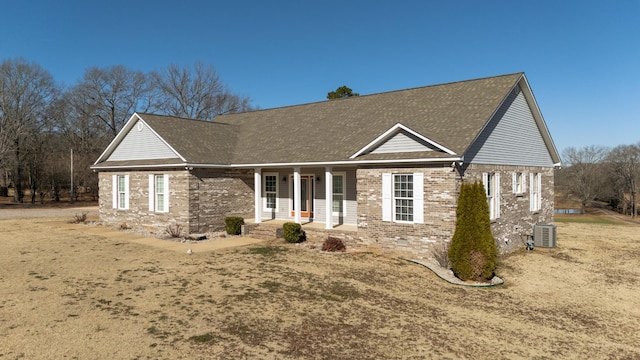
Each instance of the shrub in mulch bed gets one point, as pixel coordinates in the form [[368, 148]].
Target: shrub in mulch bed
[[333, 244]]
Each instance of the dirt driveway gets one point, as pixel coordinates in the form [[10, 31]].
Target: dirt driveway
[[8, 211]]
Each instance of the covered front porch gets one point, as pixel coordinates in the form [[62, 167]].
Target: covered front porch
[[317, 198]]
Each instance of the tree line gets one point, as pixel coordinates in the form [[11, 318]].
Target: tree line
[[597, 173], [41, 121]]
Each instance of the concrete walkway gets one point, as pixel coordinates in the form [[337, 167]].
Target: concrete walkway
[[195, 246]]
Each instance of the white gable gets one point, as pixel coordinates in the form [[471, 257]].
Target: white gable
[[511, 137], [141, 143], [400, 143], [400, 138]]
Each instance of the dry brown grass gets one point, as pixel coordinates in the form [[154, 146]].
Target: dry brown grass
[[69, 294]]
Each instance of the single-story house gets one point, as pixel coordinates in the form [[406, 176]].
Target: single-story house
[[382, 170]]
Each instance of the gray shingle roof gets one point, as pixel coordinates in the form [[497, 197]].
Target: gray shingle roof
[[451, 115]]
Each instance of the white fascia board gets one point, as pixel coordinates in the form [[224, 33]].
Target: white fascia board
[[273, 165], [345, 162], [394, 129]]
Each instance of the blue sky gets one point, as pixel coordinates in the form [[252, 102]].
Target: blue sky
[[582, 58]]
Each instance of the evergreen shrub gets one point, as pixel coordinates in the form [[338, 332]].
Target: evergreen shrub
[[473, 253], [233, 225], [293, 232]]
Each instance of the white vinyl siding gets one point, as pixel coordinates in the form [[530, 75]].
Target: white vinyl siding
[[519, 183], [400, 143], [511, 137], [141, 143], [159, 193], [491, 182], [535, 186], [271, 191], [403, 198], [121, 192]]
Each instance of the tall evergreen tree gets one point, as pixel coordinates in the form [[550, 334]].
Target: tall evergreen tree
[[473, 252]]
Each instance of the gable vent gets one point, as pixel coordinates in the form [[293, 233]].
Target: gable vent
[[544, 235]]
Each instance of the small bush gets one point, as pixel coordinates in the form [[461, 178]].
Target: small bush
[[233, 225], [333, 244], [293, 232], [441, 255], [174, 231], [125, 226], [79, 218]]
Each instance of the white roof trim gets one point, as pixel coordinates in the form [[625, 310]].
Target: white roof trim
[[123, 132], [393, 130], [271, 165]]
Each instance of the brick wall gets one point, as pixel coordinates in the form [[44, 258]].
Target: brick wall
[[216, 194], [441, 185], [138, 214], [516, 219], [199, 200]]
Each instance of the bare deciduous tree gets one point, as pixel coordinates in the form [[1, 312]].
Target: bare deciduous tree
[[585, 175], [25, 92], [112, 94], [195, 93], [624, 162]]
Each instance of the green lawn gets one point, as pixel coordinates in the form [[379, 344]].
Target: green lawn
[[587, 219]]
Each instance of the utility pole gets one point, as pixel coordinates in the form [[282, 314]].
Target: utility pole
[[71, 191]]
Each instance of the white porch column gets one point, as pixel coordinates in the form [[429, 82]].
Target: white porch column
[[296, 196], [328, 186], [257, 184]]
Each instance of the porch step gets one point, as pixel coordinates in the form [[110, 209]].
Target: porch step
[[261, 231]]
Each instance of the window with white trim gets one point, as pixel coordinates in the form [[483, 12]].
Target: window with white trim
[[120, 192], [403, 198], [159, 193], [535, 186], [519, 183], [270, 191], [337, 205], [491, 182]]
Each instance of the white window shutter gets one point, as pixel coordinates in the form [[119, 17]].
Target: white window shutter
[[386, 197], [485, 180], [531, 199], [152, 192], [126, 191], [166, 192], [524, 182], [514, 183], [539, 197], [114, 180], [497, 194], [418, 198]]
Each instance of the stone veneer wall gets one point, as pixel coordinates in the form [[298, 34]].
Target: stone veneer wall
[[441, 186], [516, 220], [138, 214], [199, 200], [216, 194]]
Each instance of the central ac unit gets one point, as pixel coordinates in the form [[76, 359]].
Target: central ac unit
[[544, 235]]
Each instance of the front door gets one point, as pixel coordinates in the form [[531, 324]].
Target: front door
[[306, 196]]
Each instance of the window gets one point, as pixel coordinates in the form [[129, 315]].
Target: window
[[159, 193], [535, 185], [491, 182], [519, 183], [403, 198], [338, 195], [271, 191], [121, 192]]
